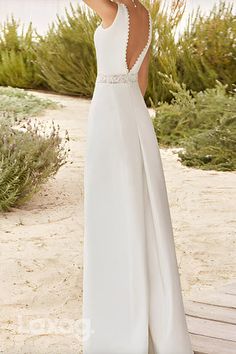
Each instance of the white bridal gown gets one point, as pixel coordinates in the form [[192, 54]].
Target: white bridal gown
[[131, 286]]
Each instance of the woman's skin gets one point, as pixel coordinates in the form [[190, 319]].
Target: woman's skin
[[106, 9]]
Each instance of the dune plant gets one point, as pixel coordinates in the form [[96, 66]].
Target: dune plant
[[202, 123], [18, 67], [213, 149], [29, 155], [203, 53], [30, 151], [17, 104], [66, 55], [207, 49], [165, 21]]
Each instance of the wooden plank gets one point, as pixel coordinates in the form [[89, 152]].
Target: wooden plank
[[209, 311], [217, 299], [206, 345], [229, 288], [211, 328]]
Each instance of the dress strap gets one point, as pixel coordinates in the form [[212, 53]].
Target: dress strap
[[114, 21]]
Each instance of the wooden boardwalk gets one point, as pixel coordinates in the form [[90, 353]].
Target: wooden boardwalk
[[211, 320]]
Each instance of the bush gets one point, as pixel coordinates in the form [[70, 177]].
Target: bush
[[30, 152], [202, 123], [204, 53], [18, 66], [213, 149], [207, 49], [66, 56], [27, 159], [17, 104], [164, 49]]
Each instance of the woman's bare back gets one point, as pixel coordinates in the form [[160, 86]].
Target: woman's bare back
[[138, 33]]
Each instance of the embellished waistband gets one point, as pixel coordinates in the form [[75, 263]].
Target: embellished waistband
[[117, 78]]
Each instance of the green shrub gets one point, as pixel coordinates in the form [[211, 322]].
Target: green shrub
[[203, 123], [18, 66], [190, 113], [207, 49], [16, 104], [164, 49], [30, 152], [27, 159], [213, 149], [204, 53], [66, 56]]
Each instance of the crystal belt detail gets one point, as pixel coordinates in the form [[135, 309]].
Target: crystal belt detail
[[117, 78]]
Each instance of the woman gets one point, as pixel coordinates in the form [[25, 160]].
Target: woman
[[132, 294]]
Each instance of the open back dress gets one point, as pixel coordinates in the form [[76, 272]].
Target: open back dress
[[131, 287]]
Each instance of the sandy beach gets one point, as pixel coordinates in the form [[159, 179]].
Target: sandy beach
[[42, 243]]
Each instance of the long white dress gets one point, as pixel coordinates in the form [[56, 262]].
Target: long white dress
[[131, 287]]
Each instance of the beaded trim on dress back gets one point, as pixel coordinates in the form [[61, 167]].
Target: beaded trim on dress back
[[111, 49], [142, 53]]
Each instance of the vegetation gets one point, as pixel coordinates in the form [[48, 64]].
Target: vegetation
[[30, 152], [213, 149], [66, 56], [203, 123], [64, 60], [163, 59], [203, 53], [18, 67], [207, 49], [16, 104]]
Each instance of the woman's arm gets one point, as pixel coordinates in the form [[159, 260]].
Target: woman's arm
[[106, 9], [143, 72]]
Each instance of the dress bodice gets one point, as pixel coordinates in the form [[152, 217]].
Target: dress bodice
[[111, 45]]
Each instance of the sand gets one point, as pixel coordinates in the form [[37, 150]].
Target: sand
[[42, 243]]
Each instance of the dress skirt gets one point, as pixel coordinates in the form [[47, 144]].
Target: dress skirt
[[132, 295]]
